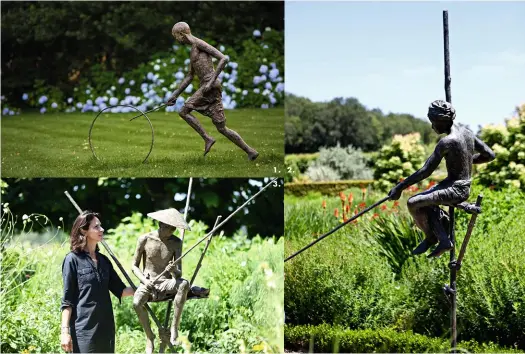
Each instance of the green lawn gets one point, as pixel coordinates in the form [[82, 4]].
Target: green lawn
[[56, 145]]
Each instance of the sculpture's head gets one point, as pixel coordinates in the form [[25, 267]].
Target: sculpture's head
[[441, 114], [180, 32]]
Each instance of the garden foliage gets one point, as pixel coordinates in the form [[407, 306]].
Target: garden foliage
[[397, 160], [508, 143], [243, 313], [107, 41], [327, 339], [362, 277]]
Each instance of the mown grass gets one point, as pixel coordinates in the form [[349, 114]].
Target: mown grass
[[56, 145]]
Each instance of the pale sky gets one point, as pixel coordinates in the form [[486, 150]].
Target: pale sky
[[389, 55]]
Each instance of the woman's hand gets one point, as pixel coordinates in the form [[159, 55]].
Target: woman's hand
[[65, 342]]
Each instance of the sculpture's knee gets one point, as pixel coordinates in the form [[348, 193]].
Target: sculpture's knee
[[139, 301], [221, 128], [184, 286], [184, 111], [413, 204]]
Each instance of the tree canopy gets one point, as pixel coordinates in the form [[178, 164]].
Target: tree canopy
[[312, 125], [117, 198]]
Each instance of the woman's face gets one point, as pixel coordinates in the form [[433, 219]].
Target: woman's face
[[95, 231]]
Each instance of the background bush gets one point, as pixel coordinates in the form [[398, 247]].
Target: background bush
[[105, 41], [404, 156], [508, 143]]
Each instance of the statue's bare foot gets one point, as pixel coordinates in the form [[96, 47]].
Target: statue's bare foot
[[174, 337], [208, 144], [472, 209], [441, 248], [150, 345], [423, 247], [253, 155]]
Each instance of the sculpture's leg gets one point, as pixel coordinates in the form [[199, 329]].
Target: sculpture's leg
[[235, 138], [428, 217], [185, 113], [139, 300], [182, 287]]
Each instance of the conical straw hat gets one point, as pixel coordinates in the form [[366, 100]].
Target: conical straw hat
[[170, 217]]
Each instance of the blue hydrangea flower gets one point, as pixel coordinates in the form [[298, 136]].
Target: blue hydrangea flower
[[244, 92], [256, 80], [273, 100], [173, 62], [264, 106], [70, 100], [121, 80], [189, 88], [273, 74], [89, 102], [95, 109], [5, 111], [88, 92], [265, 46], [221, 48], [42, 110], [273, 65], [186, 62], [256, 33], [263, 69], [149, 76], [132, 82], [268, 86], [279, 87], [11, 113], [179, 75], [113, 88], [127, 91], [42, 100], [79, 105], [233, 65], [256, 90], [25, 96], [113, 101], [54, 105], [115, 110], [180, 100], [265, 92], [156, 67]]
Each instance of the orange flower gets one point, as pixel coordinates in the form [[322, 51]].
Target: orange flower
[[491, 187], [345, 219], [342, 196], [383, 207], [401, 179], [363, 190], [324, 204], [376, 215], [350, 198], [362, 205], [336, 212], [431, 184], [396, 203], [347, 208]]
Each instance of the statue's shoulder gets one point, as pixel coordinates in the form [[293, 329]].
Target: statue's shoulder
[[175, 239], [150, 235]]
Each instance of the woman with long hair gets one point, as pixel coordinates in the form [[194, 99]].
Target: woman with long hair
[[88, 325]]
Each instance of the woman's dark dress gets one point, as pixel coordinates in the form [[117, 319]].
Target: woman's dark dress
[[86, 291]]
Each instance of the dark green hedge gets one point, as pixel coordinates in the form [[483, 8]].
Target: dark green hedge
[[327, 339], [327, 188]]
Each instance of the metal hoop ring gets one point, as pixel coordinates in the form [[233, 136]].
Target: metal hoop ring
[[122, 105]]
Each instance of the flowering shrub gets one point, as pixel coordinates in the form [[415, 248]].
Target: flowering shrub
[[508, 143], [254, 78], [398, 160]]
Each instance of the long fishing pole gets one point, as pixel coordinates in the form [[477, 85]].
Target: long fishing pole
[[338, 227]]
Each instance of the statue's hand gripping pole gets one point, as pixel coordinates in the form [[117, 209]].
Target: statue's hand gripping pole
[[338, 227]]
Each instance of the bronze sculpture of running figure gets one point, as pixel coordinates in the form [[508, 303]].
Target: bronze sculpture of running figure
[[207, 100], [460, 148]]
